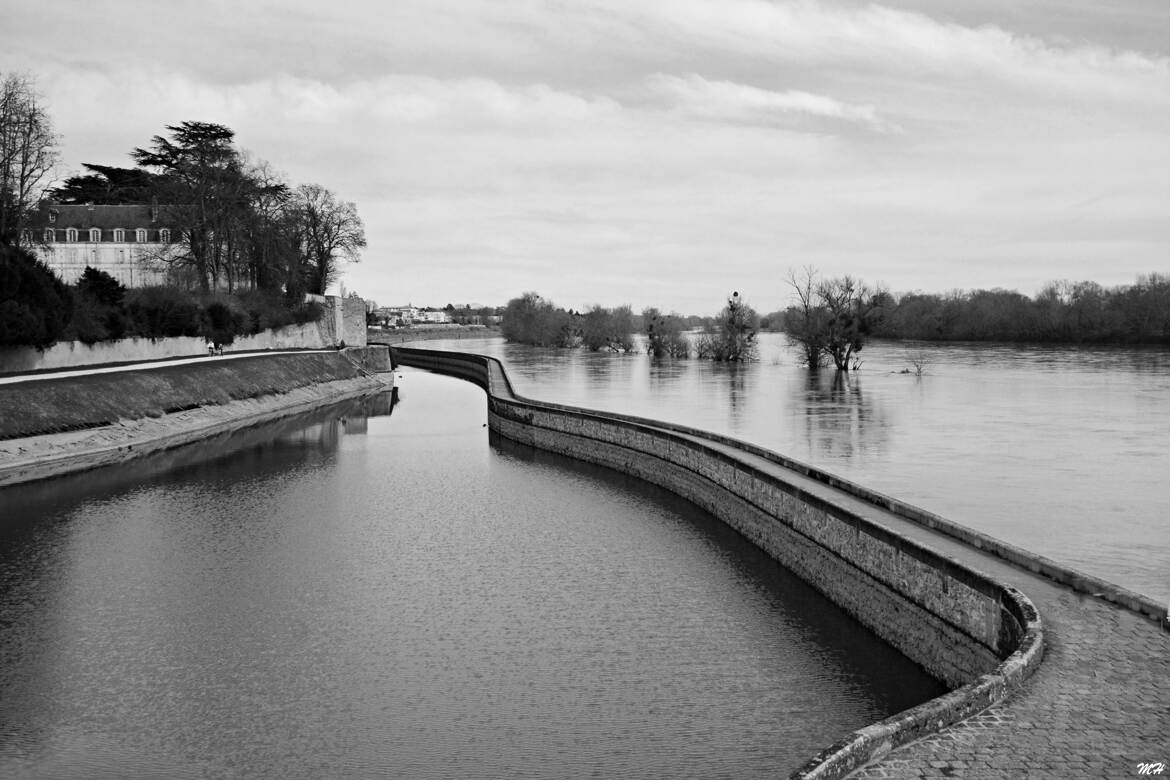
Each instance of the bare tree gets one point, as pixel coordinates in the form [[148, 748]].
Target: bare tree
[[804, 323], [330, 231], [851, 306], [832, 317], [28, 154]]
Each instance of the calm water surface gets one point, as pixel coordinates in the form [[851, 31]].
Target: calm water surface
[[389, 596], [1061, 450]]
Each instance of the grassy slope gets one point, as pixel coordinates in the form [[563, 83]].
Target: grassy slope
[[55, 405]]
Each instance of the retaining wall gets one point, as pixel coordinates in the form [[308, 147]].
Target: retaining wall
[[979, 636]]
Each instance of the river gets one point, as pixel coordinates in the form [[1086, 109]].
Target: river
[[361, 594], [1061, 450]]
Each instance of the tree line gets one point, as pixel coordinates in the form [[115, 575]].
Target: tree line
[[1063, 312], [831, 320], [729, 336]]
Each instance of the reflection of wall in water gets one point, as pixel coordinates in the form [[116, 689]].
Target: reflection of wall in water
[[351, 419], [840, 420]]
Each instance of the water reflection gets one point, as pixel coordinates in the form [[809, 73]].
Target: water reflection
[[840, 420], [320, 429]]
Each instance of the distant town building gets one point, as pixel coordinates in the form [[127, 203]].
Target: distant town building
[[130, 243]]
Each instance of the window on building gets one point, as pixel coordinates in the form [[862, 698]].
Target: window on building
[[164, 235], [140, 235], [95, 235], [26, 237], [49, 235], [52, 216], [119, 235], [70, 234]]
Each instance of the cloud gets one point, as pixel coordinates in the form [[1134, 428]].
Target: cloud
[[694, 96]]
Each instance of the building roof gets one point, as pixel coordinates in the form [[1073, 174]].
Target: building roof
[[105, 217]]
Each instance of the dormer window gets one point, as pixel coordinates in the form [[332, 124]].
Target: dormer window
[[164, 235], [95, 235], [52, 216], [71, 234], [119, 235], [140, 235], [49, 235]]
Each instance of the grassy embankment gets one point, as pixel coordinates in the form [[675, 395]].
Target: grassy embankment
[[75, 403]]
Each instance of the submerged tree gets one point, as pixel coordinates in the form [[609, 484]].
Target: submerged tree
[[664, 334], [609, 329], [732, 336], [530, 319], [832, 318]]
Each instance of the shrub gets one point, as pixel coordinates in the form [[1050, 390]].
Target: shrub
[[664, 334], [732, 337], [224, 319], [163, 311], [266, 310], [308, 311], [35, 305]]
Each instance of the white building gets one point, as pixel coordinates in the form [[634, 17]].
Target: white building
[[130, 243]]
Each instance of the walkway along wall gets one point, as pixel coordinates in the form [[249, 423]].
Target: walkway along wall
[[979, 636]]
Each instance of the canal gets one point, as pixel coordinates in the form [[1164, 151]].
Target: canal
[[357, 593]]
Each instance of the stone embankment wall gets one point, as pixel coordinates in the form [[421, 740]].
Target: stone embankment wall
[[60, 425], [979, 636]]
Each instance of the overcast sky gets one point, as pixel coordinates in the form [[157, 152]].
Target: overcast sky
[[657, 152]]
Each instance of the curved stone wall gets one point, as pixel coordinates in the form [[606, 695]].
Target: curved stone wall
[[979, 636]]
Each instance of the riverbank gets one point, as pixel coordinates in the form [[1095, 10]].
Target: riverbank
[[53, 426]]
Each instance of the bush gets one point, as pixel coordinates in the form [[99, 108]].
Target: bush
[[732, 337], [163, 311], [308, 311], [602, 328], [224, 319], [664, 334], [530, 319], [101, 287], [266, 311], [35, 305]]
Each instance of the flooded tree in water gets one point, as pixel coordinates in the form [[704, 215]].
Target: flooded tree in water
[[832, 318], [732, 336], [664, 334]]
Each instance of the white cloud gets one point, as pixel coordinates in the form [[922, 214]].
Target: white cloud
[[692, 95]]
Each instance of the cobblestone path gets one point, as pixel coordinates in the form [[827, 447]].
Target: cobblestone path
[[1098, 706]]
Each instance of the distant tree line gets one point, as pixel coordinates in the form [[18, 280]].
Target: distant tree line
[[1063, 312], [729, 336], [832, 319]]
